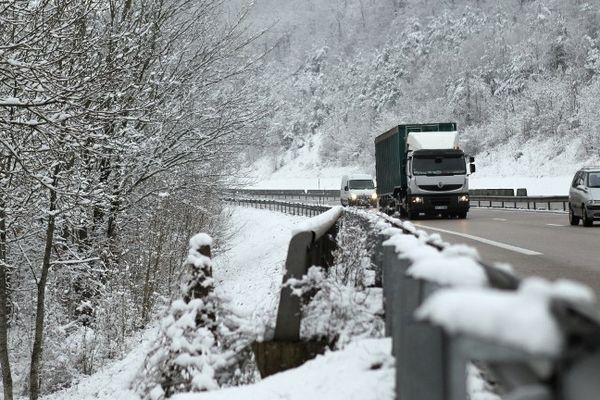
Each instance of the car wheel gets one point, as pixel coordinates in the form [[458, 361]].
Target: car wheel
[[586, 219], [573, 219]]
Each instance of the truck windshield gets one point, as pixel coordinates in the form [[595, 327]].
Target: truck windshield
[[361, 184], [439, 166]]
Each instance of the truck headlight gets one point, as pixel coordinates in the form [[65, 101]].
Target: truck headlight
[[464, 197], [353, 196], [417, 199], [374, 196]]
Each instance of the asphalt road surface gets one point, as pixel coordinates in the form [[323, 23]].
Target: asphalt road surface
[[534, 243]]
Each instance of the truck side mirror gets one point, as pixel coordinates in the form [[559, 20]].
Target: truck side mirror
[[472, 167], [345, 188], [471, 159]]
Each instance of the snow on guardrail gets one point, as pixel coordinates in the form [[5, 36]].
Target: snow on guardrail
[[453, 265], [321, 223]]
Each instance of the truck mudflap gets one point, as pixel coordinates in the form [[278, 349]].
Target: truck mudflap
[[445, 204]]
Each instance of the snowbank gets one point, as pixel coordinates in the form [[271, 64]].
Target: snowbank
[[364, 370]]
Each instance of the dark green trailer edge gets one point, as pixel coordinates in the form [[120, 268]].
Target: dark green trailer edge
[[390, 154]]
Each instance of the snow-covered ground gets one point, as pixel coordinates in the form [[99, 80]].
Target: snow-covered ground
[[362, 371], [250, 272], [111, 382]]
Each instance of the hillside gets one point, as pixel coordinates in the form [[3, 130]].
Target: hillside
[[521, 79]]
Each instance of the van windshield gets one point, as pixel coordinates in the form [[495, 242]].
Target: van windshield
[[361, 184], [439, 166]]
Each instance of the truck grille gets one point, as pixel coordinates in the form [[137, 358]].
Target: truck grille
[[440, 201], [436, 188]]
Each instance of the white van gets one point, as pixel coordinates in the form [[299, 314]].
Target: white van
[[357, 190]]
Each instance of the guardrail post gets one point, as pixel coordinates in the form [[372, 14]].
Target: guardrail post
[[420, 349], [286, 350], [390, 287], [377, 260]]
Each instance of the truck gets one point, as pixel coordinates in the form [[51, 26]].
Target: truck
[[420, 170]]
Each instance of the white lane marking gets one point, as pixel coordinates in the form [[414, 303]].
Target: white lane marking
[[500, 219], [555, 225], [510, 247]]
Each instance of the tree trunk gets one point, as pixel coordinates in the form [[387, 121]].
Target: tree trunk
[[38, 341], [4, 359]]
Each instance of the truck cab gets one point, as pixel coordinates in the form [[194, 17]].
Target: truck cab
[[437, 183], [358, 190], [422, 171]]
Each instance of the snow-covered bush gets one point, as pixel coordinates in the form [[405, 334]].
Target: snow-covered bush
[[200, 346], [338, 313], [344, 306]]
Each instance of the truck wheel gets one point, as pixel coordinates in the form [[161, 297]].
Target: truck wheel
[[587, 221], [462, 215], [573, 219]]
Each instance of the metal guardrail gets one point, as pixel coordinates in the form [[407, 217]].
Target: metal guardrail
[[431, 362], [550, 203], [307, 210], [312, 244], [320, 196], [479, 198]]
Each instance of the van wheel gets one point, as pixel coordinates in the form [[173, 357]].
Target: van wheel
[[573, 219], [586, 219]]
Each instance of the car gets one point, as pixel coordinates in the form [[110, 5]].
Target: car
[[584, 196], [357, 190]]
